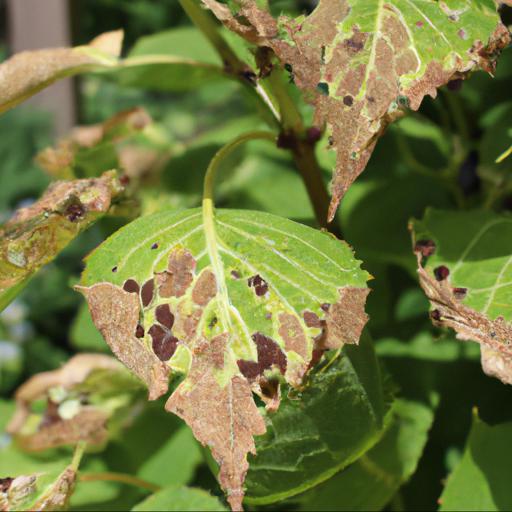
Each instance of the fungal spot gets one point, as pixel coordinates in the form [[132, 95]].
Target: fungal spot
[[311, 319], [313, 134], [259, 284], [5, 483], [114, 269], [322, 54], [441, 273], [325, 307], [330, 140], [124, 180], [323, 88], [213, 322], [205, 288], [462, 34], [175, 281], [235, 274], [403, 101], [268, 316], [419, 24], [288, 68], [75, 211], [131, 286], [291, 332], [164, 316], [139, 331], [269, 354], [164, 343], [355, 43], [286, 140], [146, 294], [154, 246], [453, 17], [460, 293], [371, 99], [348, 100], [435, 315], [425, 247], [493, 334]]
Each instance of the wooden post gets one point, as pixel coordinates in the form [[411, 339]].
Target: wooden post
[[36, 24]]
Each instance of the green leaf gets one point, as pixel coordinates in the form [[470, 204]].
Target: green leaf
[[363, 63], [180, 499], [234, 301], [36, 234], [338, 415], [481, 479], [465, 269], [371, 481]]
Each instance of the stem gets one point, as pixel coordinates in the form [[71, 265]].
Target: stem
[[77, 456], [119, 477]]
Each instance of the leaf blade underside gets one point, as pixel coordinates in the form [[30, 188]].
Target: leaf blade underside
[[362, 63], [287, 292]]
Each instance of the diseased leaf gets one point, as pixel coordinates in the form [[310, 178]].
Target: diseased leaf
[[481, 480], [237, 302], [65, 406], [37, 233], [465, 269], [28, 72], [362, 63], [371, 481]]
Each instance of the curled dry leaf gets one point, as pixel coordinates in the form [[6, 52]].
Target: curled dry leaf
[[238, 303], [466, 274], [37, 233], [28, 72], [73, 411], [362, 63]]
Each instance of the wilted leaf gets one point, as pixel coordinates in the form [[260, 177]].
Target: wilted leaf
[[28, 72], [71, 404], [465, 269], [481, 479], [371, 482], [37, 233], [180, 499], [90, 150], [236, 302], [363, 63]]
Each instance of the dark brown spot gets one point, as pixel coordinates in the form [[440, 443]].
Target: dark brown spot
[[213, 322], [139, 331], [435, 314], [371, 99], [114, 269], [441, 273], [325, 307], [154, 246], [124, 180], [313, 134], [425, 247], [269, 354], [146, 294], [75, 212], [235, 274], [259, 284], [5, 483], [131, 286], [164, 343], [419, 24], [355, 44], [286, 140], [164, 316], [249, 369], [311, 319], [348, 100], [453, 17], [460, 293], [268, 316]]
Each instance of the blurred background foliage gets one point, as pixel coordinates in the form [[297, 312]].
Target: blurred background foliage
[[443, 156]]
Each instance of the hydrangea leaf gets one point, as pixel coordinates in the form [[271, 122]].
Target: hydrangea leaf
[[363, 63], [237, 302], [37, 233], [465, 269], [74, 403]]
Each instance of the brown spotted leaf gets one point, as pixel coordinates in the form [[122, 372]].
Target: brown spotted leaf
[[77, 403], [238, 302], [28, 72], [466, 273], [36, 234], [361, 63]]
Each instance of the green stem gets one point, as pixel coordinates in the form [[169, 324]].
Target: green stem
[[77, 456], [119, 477]]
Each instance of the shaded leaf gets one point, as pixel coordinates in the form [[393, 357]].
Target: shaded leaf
[[180, 499], [37, 233], [72, 404], [371, 481], [237, 302], [481, 479], [28, 72], [465, 269], [363, 63]]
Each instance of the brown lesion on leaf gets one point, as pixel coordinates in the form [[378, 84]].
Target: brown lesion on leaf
[[205, 288], [269, 355], [174, 281], [448, 310], [115, 313]]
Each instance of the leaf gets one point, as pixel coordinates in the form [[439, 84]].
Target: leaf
[[464, 267], [74, 403], [233, 301], [339, 414], [28, 72], [481, 479], [362, 63], [37, 233], [84, 336], [180, 499], [371, 481]]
